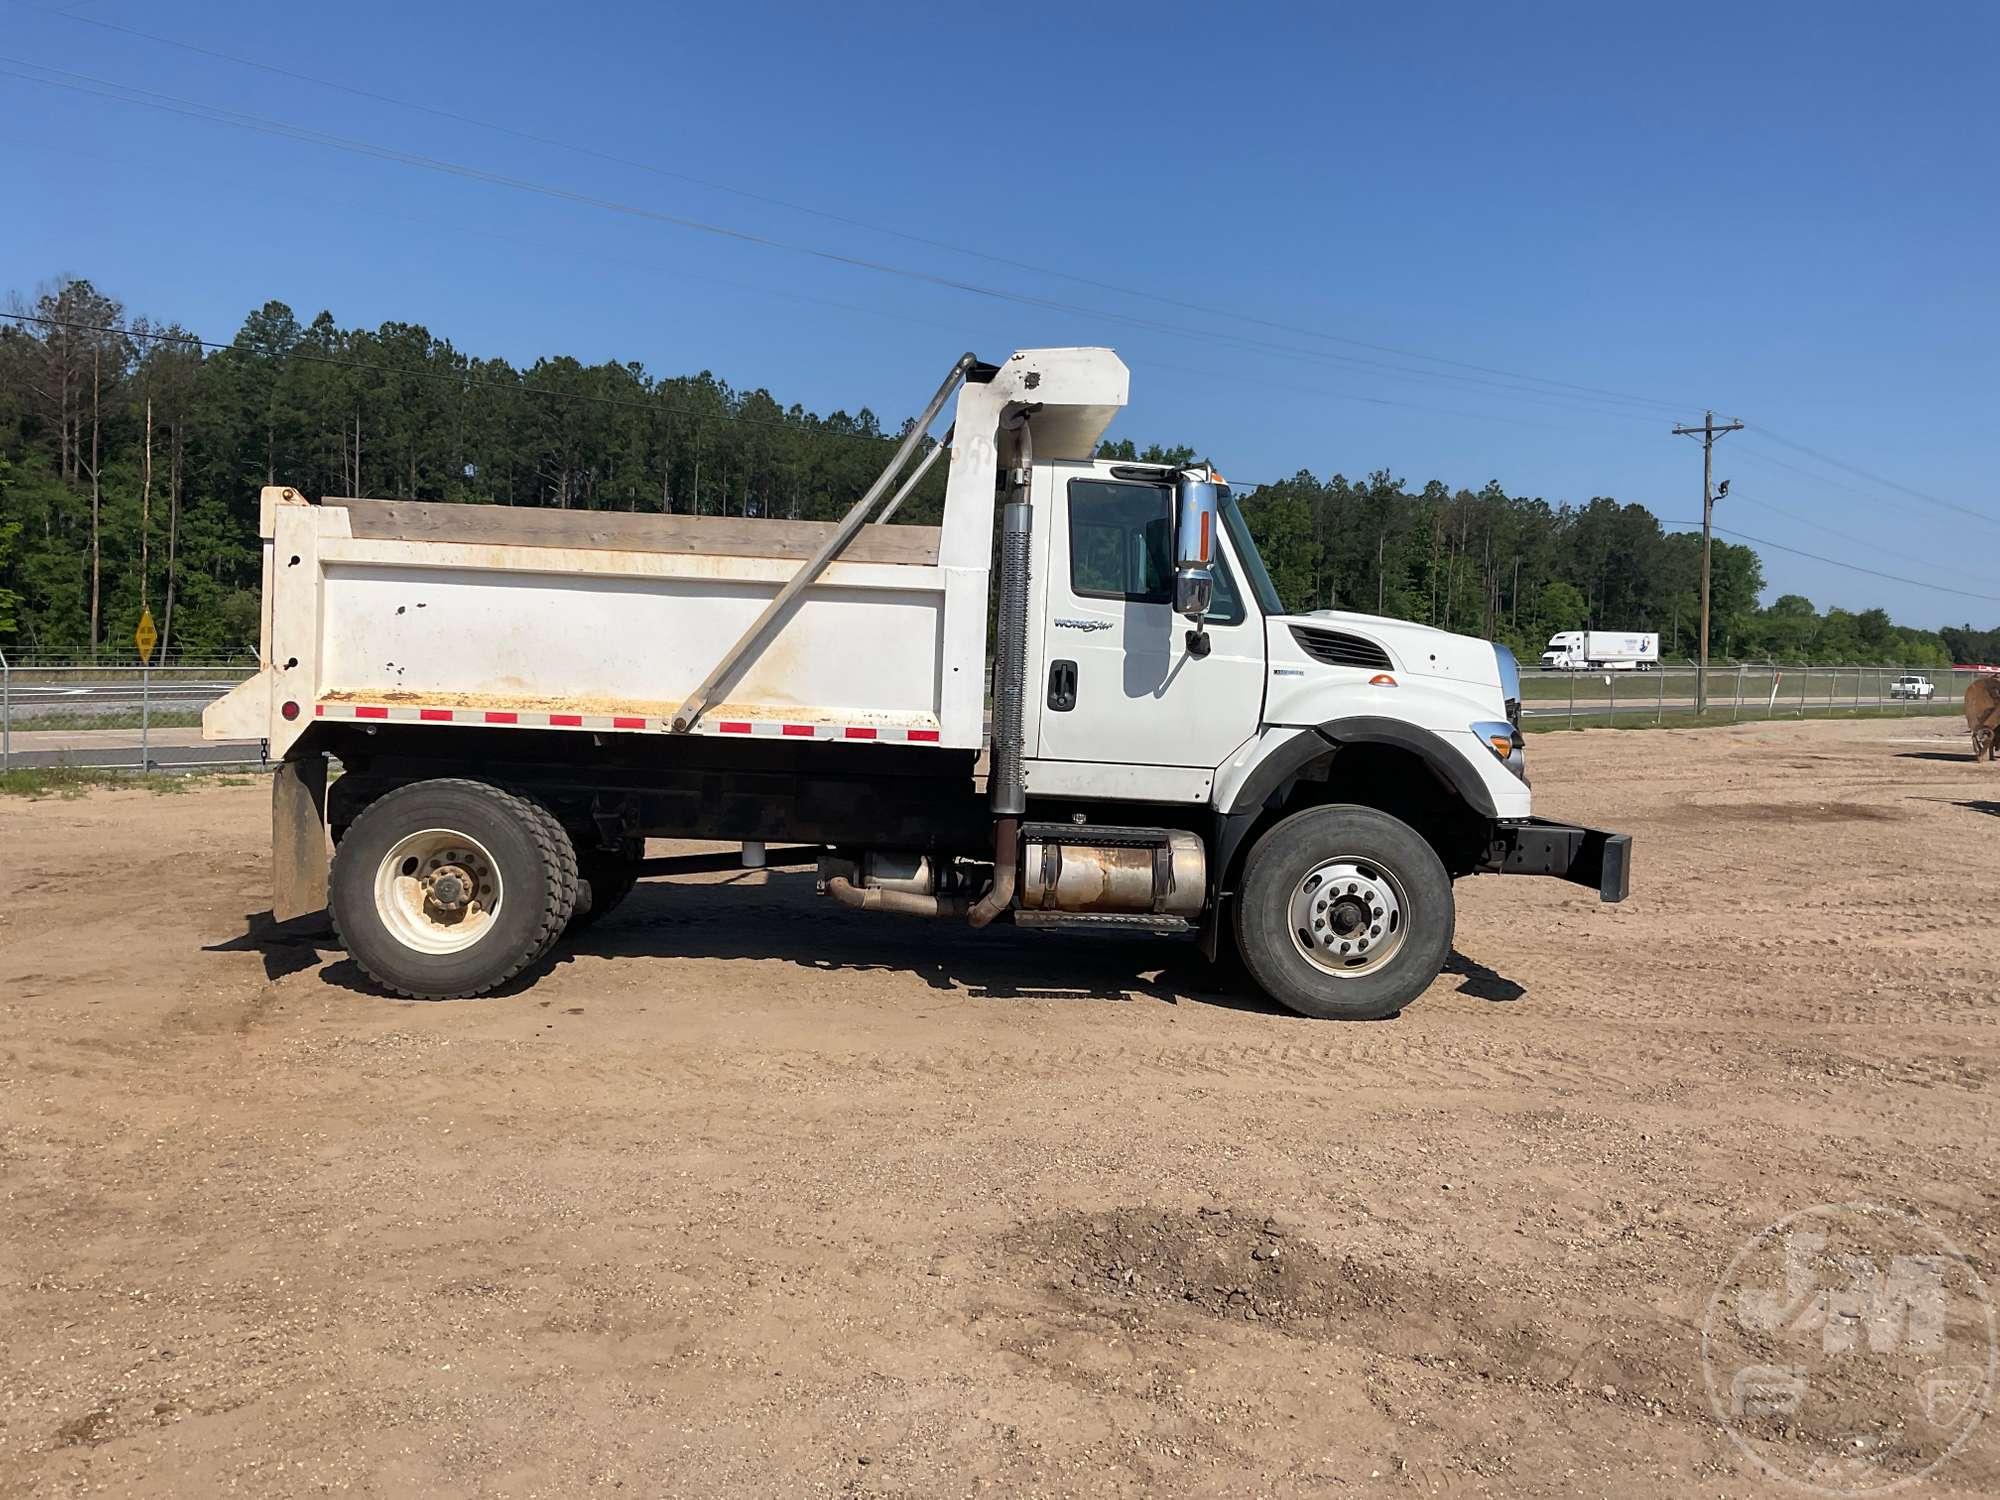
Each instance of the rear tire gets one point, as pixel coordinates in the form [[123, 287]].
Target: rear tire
[[445, 889], [1345, 914]]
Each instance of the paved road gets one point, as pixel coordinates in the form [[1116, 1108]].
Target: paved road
[[126, 757], [59, 694], [41, 749]]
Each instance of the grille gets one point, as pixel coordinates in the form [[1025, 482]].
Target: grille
[[1338, 649]]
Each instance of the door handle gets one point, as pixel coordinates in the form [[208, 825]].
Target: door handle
[[1062, 686]]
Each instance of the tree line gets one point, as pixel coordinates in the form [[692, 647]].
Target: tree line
[[131, 454]]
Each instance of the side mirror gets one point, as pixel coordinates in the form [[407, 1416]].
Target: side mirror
[[1193, 593], [1194, 545]]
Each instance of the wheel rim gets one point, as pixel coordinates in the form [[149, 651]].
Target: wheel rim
[[438, 891], [1349, 917]]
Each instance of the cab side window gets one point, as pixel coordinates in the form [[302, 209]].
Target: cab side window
[[1120, 541], [1121, 547]]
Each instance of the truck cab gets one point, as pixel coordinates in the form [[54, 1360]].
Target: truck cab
[[1117, 726], [1173, 711], [1565, 652]]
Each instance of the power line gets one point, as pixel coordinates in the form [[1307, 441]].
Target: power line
[[1754, 456], [856, 223], [1837, 563], [216, 114], [1751, 453], [1868, 543], [1875, 479]]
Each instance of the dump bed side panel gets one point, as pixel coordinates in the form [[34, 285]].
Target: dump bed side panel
[[861, 648], [478, 614]]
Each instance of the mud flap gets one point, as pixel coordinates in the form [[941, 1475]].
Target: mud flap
[[299, 858]]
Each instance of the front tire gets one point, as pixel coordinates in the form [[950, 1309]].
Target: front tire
[[1345, 914], [445, 889]]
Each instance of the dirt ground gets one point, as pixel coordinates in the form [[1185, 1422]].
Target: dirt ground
[[750, 1195]]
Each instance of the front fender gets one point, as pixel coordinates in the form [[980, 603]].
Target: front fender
[[1283, 756]]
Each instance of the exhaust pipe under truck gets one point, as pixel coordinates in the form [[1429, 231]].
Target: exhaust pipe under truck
[[518, 699]]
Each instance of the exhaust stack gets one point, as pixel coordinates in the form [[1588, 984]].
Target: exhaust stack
[[1006, 784]]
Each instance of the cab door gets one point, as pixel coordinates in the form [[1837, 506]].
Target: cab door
[[1118, 684]]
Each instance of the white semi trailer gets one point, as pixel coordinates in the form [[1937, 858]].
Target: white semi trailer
[[519, 698], [1602, 651]]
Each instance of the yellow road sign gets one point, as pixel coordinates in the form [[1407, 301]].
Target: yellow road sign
[[146, 637]]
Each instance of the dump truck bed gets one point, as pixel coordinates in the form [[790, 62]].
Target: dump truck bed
[[532, 618]]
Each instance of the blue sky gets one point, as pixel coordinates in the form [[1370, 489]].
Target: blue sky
[[1787, 212]]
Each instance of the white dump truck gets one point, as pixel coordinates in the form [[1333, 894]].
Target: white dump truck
[[519, 698], [1602, 651]]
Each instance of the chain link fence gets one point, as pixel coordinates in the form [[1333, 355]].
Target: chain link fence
[[117, 713], [1672, 694]]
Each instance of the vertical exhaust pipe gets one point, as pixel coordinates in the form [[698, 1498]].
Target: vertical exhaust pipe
[[1005, 783]]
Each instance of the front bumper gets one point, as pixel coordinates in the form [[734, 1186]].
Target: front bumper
[[1582, 856]]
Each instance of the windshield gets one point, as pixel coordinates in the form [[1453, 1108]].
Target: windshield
[[1261, 588]]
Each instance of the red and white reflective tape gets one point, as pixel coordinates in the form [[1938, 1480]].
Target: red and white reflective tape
[[512, 718]]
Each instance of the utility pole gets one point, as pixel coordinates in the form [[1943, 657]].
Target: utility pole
[[1708, 432]]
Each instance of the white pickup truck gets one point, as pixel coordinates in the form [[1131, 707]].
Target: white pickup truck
[[1912, 686], [519, 698]]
